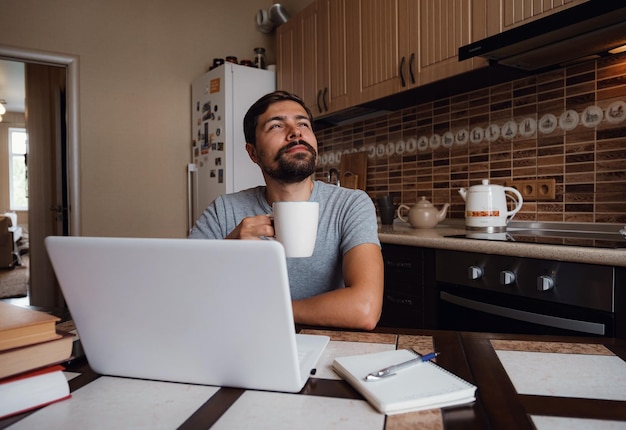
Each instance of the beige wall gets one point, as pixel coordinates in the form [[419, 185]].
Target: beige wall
[[136, 61]]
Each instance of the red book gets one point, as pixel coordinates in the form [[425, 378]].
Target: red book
[[32, 390]]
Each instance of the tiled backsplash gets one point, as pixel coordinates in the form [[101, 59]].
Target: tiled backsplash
[[568, 124]]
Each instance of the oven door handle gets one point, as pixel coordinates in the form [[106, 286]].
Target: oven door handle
[[531, 317]]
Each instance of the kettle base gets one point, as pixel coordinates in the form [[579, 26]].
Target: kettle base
[[487, 229]]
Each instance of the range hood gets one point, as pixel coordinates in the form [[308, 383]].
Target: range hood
[[579, 33]]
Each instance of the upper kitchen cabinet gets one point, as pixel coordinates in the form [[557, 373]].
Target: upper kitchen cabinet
[[402, 44], [409, 43], [513, 13], [312, 56], [289, 59], [446, 25], [297, 42], [374, 48], [334, 56], [341, 53]]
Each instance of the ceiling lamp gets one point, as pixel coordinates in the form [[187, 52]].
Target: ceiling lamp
[[3, 110], [275, 16]]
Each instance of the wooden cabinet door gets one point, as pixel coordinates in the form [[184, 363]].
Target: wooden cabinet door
[[310, 69], [375, 46], [518, 12], [333, 93], [409, 43], [289, 59], [297, 46], [446, 25], [312, 61]]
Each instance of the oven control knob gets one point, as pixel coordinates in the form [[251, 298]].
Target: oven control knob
[[507, 277], [474, 272], [545, 283]]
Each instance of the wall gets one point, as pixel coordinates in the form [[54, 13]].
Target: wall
[[136, 62], [588, 162]]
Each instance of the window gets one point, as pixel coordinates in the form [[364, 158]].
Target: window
[[18, 169]]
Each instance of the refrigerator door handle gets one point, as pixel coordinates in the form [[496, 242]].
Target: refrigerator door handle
[[192, 194]]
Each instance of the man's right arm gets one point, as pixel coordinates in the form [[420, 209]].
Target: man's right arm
[[254, 227]]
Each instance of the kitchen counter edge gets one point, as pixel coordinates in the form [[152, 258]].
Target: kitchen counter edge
[[403, 234]]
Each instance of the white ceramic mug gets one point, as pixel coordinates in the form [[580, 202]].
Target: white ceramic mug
[[295, 227]]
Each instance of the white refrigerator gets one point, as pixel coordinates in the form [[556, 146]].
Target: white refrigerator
[[220, 164]]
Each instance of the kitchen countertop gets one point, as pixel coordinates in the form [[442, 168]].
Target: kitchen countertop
[[401, 233]]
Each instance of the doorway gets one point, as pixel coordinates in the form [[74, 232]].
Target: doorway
[[51, 99]]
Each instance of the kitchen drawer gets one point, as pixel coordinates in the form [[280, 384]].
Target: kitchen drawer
[[409, 299], [403, 264], [402, 310]]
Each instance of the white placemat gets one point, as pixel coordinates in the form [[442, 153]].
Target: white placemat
[[566, 375], [109, 403], [278, 411], [562, 423]]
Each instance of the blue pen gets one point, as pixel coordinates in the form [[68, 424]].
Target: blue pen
[[391, 370]]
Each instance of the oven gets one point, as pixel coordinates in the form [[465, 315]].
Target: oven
[[497, 293]]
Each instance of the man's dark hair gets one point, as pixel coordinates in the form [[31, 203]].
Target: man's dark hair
[[251, 120]]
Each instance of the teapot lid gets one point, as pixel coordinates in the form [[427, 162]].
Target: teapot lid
[[423, 203]]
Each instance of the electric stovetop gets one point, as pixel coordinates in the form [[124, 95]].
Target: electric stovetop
[[553, 237]]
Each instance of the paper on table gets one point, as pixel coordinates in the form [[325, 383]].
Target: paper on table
[[566, 375]]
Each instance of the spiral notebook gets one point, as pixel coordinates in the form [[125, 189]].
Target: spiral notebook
[[423, 386]]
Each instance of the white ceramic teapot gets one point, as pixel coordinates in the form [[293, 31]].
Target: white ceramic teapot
[[486, 206], [423, 214]]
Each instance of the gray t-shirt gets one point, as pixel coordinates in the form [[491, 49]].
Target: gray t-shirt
[[347, 219]]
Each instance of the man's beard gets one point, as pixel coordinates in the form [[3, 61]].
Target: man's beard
[[294, 168]]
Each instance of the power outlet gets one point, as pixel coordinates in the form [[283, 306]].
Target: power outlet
[[535, 189]]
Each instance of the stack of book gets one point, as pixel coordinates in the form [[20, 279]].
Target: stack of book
[[30, 353]]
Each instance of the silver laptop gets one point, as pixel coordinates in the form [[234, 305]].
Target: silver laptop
[[212, 312]]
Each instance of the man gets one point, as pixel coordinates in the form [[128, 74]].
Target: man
[[341, 285]]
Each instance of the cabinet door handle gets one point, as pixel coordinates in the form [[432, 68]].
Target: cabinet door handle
[[319, 105], [402, 80], [411, 62], [325, 99]]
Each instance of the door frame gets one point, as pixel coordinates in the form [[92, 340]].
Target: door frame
[[70, 62]]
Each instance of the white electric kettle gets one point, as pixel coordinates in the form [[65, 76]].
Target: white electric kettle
[[486, 206]]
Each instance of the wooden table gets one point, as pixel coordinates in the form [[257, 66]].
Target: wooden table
[[469, 355]]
